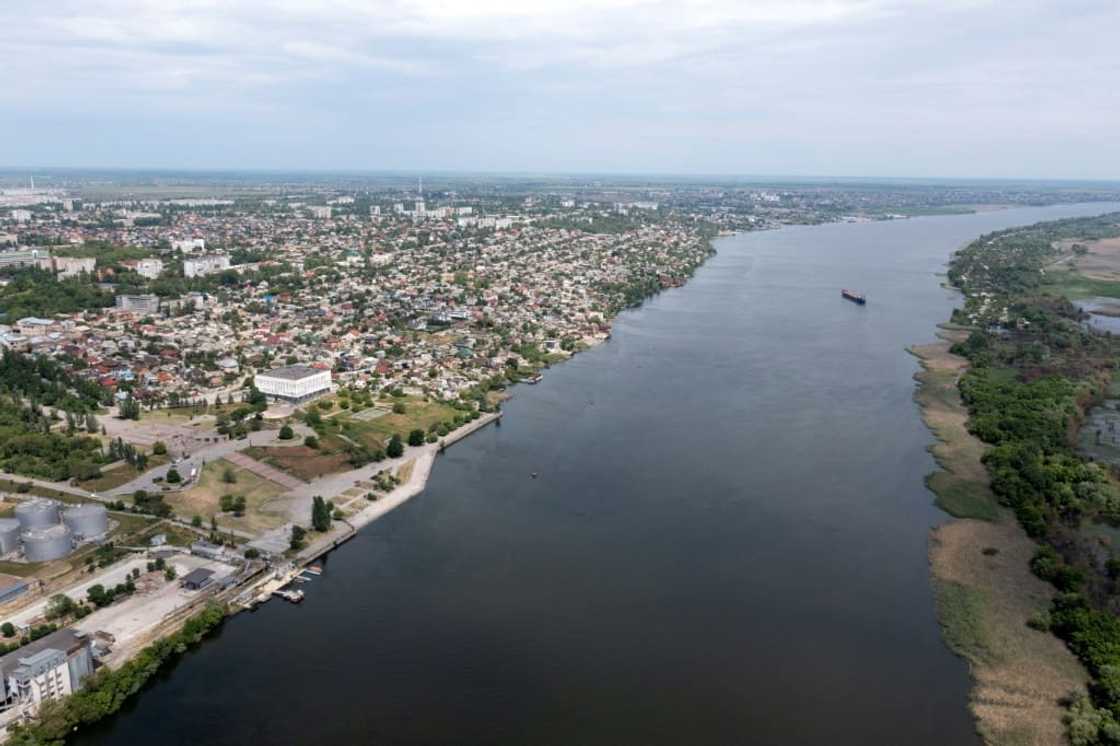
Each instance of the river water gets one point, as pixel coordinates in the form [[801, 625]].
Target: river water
[[726, 543]]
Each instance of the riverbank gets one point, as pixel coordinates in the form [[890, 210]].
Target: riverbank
[[980, 568]]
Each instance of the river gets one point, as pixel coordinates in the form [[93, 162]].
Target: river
[[726, 542]]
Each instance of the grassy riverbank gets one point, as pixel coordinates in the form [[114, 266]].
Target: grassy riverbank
[[984, 590], [1027, 591]]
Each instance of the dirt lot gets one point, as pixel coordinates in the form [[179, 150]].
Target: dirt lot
[[1103, 260], [300, 461]]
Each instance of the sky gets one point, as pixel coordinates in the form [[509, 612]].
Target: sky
[[948, 88]]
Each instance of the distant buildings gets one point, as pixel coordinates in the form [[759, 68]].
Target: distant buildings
[[293, 383], [320, 211], [205, 265], [69, 266]]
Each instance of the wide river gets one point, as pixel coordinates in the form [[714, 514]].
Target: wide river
[[726, 542]]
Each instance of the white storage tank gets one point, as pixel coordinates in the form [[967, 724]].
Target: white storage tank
[[9, 535], [46, 544], [87, 521], [38, 512]]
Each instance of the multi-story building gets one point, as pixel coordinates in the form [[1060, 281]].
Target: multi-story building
[[205, 265], [293, 383], [148, 303], [189, 244], [147, 268], [320, 211], [72, 266], [23, 257], [50, 667]]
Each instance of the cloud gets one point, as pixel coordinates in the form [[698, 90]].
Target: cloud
[[748, 85]]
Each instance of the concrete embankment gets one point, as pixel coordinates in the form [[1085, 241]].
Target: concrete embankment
[[423, 459]]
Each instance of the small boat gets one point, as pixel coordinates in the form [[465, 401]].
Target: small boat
[[853, 296], [314, 569], [535, 379]]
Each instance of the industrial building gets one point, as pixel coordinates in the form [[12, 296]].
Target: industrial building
[[295, 383], [52, 666]]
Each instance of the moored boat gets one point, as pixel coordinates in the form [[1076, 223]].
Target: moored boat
[[853, 296]]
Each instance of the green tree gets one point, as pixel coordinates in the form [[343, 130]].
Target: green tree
[[395, 449], [159, 448], [320, 514], [416, 438], [286, 433], [311, 441], [296, 541], [173, 476], [59, 606]]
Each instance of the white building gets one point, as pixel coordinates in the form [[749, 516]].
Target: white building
[[205, 265], [20, 216], [189, 244], [320, 211], [147, 268], [293, 383], [50, 667]]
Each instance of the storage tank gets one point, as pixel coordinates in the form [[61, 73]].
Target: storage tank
[[9, 535], [45, 544], [38, 512], [86, 521]]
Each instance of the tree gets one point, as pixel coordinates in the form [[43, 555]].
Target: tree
[[395, 448], [173, 476], [169, 573], [286, 433], [311, 441], [196, 521], [159, 448], [296, 542], [252, 553], [320, 514], [399, 408], [229, 476], [8, 629], [416, 438], [59, 606]]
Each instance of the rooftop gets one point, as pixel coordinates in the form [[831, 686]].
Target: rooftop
[[293, 372]]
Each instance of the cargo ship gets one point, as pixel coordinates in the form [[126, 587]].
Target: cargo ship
[[853, 296]]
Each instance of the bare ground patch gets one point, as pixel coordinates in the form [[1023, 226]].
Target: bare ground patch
[[1103, 260]]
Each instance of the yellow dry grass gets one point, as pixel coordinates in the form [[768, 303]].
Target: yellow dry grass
[[984, 600]]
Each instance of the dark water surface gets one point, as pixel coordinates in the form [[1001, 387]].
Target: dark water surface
[[726, 544]]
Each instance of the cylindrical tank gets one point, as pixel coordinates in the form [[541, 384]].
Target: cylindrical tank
[[9, 535], [38, 512], [86, 521], [45, 544]]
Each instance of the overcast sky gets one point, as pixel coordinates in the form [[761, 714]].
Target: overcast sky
[[968, 88]]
